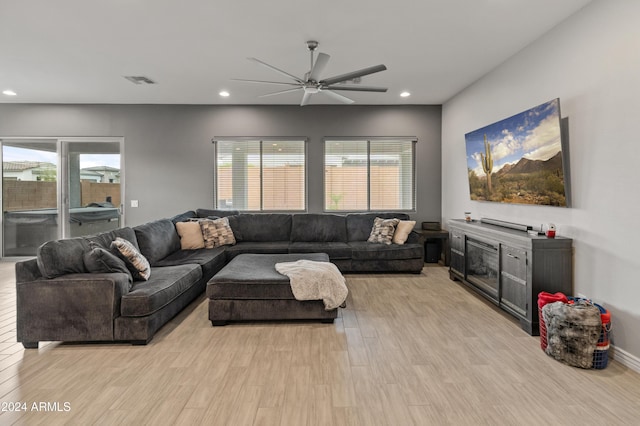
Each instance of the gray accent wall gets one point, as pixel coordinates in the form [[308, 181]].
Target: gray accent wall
[[169, 157], [591, 61]]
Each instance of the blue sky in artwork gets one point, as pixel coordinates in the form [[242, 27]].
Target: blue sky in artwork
[[533, 134]]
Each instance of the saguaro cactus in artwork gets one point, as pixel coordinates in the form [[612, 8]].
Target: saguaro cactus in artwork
[[487, 162]]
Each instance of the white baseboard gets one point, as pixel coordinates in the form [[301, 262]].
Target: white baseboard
[[626, 359]]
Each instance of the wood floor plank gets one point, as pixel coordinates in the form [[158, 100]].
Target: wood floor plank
[[408, 349]]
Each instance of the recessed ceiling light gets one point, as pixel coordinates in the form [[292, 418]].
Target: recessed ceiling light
[[9, 92], [405, 94], [224, 94]]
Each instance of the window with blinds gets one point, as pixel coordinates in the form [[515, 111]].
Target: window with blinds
[[369, 174], [260, 175]]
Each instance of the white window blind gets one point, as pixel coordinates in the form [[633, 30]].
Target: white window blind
[[369, 174], [345, 175], [260, 175]]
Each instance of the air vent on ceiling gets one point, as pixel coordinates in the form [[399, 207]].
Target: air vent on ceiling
[[139, 79]]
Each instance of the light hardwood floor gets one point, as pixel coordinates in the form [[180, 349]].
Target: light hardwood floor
[[409, 349]]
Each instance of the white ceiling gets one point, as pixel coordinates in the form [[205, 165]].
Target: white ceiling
[[77, 51]]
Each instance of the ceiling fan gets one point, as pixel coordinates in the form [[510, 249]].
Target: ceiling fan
[[312, 84]]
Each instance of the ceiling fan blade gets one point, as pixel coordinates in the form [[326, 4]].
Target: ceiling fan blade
[[262, 81], [305, 99], [352, 75], [338, 97], [357, 88], [280, 92], [264, 64], [318, 67]]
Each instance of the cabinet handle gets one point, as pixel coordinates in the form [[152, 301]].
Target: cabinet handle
[[512, 256]]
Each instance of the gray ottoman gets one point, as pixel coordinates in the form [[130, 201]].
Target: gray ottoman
[[249, 288]]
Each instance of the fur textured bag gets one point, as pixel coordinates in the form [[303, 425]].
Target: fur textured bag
[[572, 332]]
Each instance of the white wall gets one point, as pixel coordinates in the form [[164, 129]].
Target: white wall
[[592, 63]]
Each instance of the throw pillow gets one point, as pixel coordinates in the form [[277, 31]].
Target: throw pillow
[[403, 229], [217, 232], [98, 260], [190, 235], [383, 230], [135, 261]]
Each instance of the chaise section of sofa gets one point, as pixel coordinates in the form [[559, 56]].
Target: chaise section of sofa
[[75, 307], [59, 300]]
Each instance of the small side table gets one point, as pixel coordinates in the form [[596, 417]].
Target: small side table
[[442, 238]]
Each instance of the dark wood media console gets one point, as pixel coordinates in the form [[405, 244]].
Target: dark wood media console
[[510, 266]]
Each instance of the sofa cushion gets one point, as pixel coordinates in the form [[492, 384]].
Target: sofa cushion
[[383, 230], [261, 227], [61, 257], [211, 260], [183, 217], [362, 250], [137, 264], [205, 213], [359, 224], [216, 232], [164, 286], [403, 229], [335, 250], [315, 227], [272, 247], [100, 260], [190, 235], [106, 238], [157, 239]]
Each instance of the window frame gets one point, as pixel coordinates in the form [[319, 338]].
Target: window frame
[[369, 139], [261, 140]]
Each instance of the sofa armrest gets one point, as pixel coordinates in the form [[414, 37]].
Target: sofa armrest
[[73, 307], [27, 271]]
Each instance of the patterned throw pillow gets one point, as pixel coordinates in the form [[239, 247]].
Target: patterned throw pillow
[[135, 261], [217, 232], [383, 230]]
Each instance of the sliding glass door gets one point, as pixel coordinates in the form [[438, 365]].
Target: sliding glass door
[[92, 191], [58, 188], [29, 194]]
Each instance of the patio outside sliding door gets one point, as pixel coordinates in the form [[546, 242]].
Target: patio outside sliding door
[[29, 194], [91, 173], [58, 188]]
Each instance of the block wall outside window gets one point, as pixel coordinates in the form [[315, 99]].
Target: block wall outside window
[[260, 175], [369, 175]]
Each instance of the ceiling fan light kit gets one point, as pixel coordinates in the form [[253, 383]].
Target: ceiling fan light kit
[[311, 83]]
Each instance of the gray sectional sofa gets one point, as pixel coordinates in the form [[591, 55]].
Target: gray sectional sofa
[[58, 299]]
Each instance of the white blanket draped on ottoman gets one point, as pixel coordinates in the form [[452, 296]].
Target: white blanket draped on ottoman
[[311, 280]]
